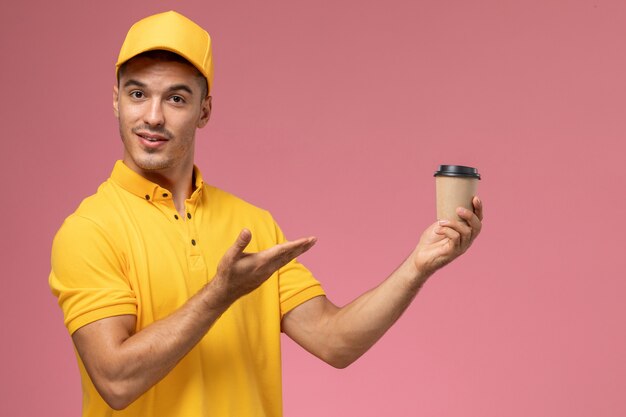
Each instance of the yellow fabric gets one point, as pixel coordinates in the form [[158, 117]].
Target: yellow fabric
[[170, 31], [124, 252]]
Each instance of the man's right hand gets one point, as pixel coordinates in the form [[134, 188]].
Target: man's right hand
[[239, 273], [124, 363]]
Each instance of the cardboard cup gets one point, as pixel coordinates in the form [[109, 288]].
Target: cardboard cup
[[456, 187]]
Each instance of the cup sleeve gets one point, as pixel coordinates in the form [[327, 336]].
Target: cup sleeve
[[89, 274]]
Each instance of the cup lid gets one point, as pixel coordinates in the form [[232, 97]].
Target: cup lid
[[457, 171]]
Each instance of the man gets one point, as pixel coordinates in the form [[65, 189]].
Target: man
[[169, 317]]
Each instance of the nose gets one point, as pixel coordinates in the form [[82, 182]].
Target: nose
[[154, 114]]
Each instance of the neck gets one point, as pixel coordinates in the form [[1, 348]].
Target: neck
[[178, 180], [181, 187]]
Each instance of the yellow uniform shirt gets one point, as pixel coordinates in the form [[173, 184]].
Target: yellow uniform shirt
[[126, 250]]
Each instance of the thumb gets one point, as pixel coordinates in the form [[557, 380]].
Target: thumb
[[235, 252], [244, 238]]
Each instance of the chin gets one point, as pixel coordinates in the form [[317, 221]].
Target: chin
[[151, 164]]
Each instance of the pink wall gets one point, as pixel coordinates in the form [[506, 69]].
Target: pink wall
[[333, 115]]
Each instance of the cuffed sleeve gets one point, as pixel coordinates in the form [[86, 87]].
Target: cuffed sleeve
[[88, 274]]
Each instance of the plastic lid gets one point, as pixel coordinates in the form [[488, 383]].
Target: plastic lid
[[457, 171]]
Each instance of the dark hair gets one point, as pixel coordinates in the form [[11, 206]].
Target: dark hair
[[166, 56]]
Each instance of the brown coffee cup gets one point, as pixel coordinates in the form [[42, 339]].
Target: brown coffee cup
[[456, 187]]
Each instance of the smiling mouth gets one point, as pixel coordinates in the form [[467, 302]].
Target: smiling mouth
[[151, 143], [149, 139], [152, 136]]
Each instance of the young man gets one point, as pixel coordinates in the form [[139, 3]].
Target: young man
[[170, 317]]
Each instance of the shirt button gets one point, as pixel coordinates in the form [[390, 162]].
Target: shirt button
[[189, 215], [193, 242], [147, 197], [176, 216]]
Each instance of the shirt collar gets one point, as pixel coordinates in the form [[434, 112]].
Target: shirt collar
[[141, 187]]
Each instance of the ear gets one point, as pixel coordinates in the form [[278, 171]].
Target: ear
[[205, 112], [116, 110]]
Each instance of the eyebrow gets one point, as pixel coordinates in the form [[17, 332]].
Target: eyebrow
[[183, 87], [175, 87], [135, 83]]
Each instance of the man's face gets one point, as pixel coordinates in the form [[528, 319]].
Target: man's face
[[159, 106]]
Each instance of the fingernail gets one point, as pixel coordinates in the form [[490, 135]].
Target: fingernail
[[443, 221]]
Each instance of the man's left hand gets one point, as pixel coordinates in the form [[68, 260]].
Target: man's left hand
[[445, 240]]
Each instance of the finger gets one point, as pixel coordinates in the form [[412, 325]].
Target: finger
[[294, 249], [298, 250], [478, 207], [283, 253], [448, 231], [471, 220], [463, 230], [470, 217]]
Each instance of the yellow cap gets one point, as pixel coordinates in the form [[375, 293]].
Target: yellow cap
[[170, 31]]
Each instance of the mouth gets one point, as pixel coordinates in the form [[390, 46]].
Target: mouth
[[151, 140], [151, 137]]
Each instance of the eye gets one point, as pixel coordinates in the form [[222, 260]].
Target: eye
[[177, 99], [136, 94]]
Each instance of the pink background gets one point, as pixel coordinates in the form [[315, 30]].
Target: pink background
[[333, 115]]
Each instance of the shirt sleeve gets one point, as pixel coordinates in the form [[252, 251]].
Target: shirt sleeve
[[296, 282], [88, 274]]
